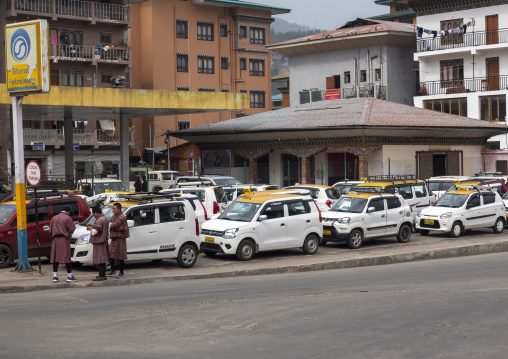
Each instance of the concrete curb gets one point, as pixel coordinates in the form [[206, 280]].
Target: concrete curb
[[470, 250]]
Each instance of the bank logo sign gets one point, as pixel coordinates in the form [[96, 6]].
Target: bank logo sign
[[26, 53]]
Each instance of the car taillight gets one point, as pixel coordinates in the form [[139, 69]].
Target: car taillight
[[204, 209], [329, 203], [197, 227], [320, 218], [215, 208]]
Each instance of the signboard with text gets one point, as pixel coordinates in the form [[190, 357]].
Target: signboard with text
[[27, 57], [33, 173], [332, 94]]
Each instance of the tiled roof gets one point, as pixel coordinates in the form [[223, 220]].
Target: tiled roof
[[377, 26], [238, 3]]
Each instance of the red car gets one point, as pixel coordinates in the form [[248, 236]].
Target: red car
[[47, 208]]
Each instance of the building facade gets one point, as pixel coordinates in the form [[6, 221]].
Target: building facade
[[365, 58], [400, 11], [199, 45], [88, 47], [464, 67]]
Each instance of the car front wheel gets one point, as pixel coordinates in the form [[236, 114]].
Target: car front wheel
[[404, 234], [311, 244], [499, 226], [456, 230], [245, 250], [355, 239], [187, 256]]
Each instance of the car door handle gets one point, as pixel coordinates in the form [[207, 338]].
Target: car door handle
[[401, 212], [152, 231], [308, 221], [182, 227], [282, 224], [382, 216], [46, 228]]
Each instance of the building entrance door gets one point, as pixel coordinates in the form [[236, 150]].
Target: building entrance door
[[342, 166], [493, 73], [492, 30], [439, 164], [290, 169]]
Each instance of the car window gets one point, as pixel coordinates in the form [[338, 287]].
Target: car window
[[199, 194], [226, 181], [297, 208], [378, 204], [142, 216], [406, 192], [420, 190], [344, 189], [59, 207], [447, 186], [393, 202], [474, 201], [230, 193], [489, 198], [171, 213], [6, 212], [42, 211], [219, 194], [434, 185], [332, 193], [274, 210]]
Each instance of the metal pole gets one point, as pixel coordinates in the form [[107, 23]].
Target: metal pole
[[147, 179], [483, 164], [322, 174], [93, 176], [169, 159], [19, 167], [244, 171], [289, 173], [354, 173], [37, 230], [389, 167]]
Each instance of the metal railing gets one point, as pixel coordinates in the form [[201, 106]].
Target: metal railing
[[74, 8], [85, 137], [463, 40], [365, 91], [492, 83], [89, 52], [113, 54], [105, 136]]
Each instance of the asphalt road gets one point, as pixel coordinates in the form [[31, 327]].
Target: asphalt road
[[452, 308]]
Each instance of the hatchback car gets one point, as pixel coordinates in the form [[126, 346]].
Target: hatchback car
[[213, 197], [461, 210], [160, 226], [324, 196], [258, 222], [440, 184], [357, 217], [47, 207]]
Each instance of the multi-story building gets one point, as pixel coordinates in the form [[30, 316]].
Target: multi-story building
[[199, 45], [400, 11], [463, 64], [88, 48], [364, 58]]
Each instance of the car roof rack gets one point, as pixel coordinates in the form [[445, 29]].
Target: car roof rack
[[148, 197], [204, 183], [392, 178]]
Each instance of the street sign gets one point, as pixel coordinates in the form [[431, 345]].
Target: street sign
[[27, 56], [75, 146], [33, 173], [38, 146], [332, 94]]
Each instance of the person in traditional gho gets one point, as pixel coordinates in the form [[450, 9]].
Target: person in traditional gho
[[118, 233], [61, 228], [99, 239]]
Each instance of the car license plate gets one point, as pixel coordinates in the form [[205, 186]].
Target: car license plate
[[209, 239], [327, 233], [428, 221]]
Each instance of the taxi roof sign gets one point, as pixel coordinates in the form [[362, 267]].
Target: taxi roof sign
[[27, 56]]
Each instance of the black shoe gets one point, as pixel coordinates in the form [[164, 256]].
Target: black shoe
[[110, 274], [71, 279], [55, 279], [120, 276]]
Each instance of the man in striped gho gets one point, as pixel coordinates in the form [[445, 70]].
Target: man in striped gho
[[61, 228]]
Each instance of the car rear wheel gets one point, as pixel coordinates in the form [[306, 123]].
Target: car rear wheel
[[499, 226], [245, 250], [456, 230], [404, 234], [355, 239], [6, 256], [311, 244], [187, 256]]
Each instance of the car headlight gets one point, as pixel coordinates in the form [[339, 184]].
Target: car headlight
[[419, 214], [83, 239], [230, 233], [446, 215], [344, 220]]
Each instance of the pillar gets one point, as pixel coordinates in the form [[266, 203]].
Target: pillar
[[253, 170], [363, 170], [305, 168], [69, 155], [304, 154], [252, 155], [124, 151], [363, 153]]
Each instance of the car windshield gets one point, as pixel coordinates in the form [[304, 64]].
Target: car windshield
[[106, 211], [101, 187], [349, 204], [6, 212], [451, 200], [167, 176], [434, 185], [225, 181], [344, 188], [332, 193], [240, 211]]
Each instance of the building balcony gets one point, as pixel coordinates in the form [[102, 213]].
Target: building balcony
[[86, 138], [92, 54], [368, 90], [478, 84], [456, 42], [92, 12]]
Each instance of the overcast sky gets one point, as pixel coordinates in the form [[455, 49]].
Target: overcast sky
[[326, 14]]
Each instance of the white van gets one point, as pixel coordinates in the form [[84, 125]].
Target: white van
[[100, 185], [158, 180]]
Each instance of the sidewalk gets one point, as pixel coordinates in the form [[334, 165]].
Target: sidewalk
[[332, 256]]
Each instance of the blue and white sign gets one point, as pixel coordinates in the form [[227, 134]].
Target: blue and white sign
[[75, 146], [38, 146]]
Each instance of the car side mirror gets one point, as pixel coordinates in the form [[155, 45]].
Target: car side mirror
[[371, 209], [130, 223], [263, 217]]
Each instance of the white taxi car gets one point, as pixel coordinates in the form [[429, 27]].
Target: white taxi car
[[357, 217], [324, 196], [259, 222], [463, 209], [161, 227]]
